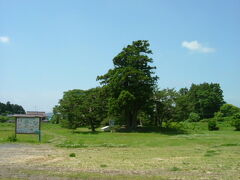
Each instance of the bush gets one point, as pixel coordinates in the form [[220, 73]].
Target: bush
[[212, 125], [12, 138], [72, 155], [218, 116], [193, 117], [229, 110], [236, 121], [4, 119]]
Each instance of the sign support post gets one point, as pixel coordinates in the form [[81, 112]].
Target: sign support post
[[39, 136]]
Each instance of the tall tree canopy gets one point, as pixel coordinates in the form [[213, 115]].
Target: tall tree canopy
[[131, 82]]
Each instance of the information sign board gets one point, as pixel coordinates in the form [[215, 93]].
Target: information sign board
[[27, 125]]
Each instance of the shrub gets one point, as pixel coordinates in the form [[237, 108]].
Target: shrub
[[193, 117], [218, 116], [4, 118], [72, 155], [236, 121], [12, 138], [103, 165], [212, 125], [229, 110]]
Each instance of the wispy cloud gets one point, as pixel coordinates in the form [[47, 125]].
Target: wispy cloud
[[197, 47], [4, 39]]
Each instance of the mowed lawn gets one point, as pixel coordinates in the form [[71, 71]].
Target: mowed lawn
[[196, 154]]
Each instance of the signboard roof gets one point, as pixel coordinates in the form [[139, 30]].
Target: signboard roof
[[31, 114]]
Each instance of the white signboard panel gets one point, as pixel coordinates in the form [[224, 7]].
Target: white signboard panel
[[27, 125]]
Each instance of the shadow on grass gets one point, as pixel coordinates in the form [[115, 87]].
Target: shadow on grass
[[86, 132], [163, 130]]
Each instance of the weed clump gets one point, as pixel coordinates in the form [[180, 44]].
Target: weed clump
[[175, 169], [12, 138], [210, 153], [103, 165], [72, 155]]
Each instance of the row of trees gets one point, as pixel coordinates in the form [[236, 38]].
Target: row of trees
[[9, 108], [130, 96], [202, 100]]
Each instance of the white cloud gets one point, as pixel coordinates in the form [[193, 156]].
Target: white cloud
[[4, 39], [197, 47]]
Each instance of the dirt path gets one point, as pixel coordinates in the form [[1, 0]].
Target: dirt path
[[19, 160]]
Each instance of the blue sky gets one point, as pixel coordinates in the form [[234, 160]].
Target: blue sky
[[48, 47]]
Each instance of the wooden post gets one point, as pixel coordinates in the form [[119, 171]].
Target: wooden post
[[16, 128], [39, 133], [39, 136]]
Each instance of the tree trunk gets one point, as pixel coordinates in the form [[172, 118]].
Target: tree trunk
[[92, 125], [134, 120]]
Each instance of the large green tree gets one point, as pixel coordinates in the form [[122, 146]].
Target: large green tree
[[206, 99], [81, 108], [130, 83]]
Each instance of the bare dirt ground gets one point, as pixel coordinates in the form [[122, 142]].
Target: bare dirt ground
[[17, 159], [37, 162]]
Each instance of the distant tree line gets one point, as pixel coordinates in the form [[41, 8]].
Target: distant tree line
[[129, 95], [9, 108]]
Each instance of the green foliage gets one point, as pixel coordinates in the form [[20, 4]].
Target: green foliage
[[103, 165], [212, 125], [125, 99], [229, 110], [145, 119], [236, 121], [12, 138], [210, 153], [5, 118], [130, 84], [183, 105], [175, 169], [56, 118], [129, 95], [206, 99], [193, 117], [72, 155], [164, 103], [218, 116], [81, 108], [9, 108]]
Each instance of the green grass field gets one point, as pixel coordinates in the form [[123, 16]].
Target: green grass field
[[196, 154]]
